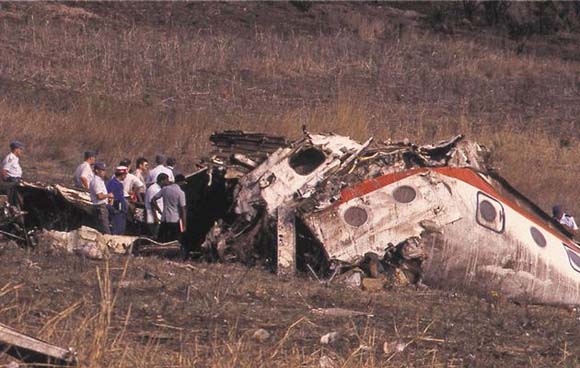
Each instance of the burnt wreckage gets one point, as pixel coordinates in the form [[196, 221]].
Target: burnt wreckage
[[324, 203], [438, 214]]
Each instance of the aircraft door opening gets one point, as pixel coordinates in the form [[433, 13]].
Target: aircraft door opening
[[490, 213]]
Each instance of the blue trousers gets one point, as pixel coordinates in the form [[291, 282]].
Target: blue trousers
[[118, 222]]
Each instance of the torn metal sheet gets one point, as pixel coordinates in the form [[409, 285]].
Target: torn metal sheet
[[34, 351], [91, 243], [359, 225], [88, 242]]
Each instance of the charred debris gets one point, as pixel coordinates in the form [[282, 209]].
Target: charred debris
[[273, 187]]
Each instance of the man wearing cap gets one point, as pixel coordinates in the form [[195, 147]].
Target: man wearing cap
[[133, 187], [11, 170], [100, 197], [84, 172], [118, 209], [160, 168], [173, 216]]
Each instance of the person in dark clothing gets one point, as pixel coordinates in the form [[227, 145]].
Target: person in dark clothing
[[118, 209]]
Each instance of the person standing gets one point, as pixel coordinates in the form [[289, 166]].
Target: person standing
[[100, 197], [118, 209], [133, 187], [152, 225], [160, 168], [11, 170], [173, 216], [171, 162], [142, 169], [84, 172]]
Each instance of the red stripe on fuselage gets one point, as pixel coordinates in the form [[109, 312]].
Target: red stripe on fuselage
[[466, 175]]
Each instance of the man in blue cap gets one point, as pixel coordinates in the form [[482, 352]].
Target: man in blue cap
[[100, 198], [11, 170]]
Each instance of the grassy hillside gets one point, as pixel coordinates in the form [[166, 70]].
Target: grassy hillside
[[140, 78]]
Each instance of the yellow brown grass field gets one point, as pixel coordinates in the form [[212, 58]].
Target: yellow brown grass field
[[133, 79]]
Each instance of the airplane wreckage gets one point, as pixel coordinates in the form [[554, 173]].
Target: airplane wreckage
[[436, 215]]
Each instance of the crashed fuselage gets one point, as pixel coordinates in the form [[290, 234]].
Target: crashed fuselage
[[473, 236]]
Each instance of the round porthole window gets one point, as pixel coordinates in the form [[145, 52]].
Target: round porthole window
[[355, 216], [404, 194], [487, 210], [538, 237]]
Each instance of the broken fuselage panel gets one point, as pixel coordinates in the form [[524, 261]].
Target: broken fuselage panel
[[473, 236]]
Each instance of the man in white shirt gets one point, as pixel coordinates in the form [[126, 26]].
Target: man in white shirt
[[152, 226], [133, 187], [142, 169], [564, 219], [84, 172], [11, 170], [160, 168], [100, 198]]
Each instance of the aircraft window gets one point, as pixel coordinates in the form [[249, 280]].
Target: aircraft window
[[404, 194], [306, 160], [490, 213], [538, 237], [487, 210], [355, 216], [574, 259]]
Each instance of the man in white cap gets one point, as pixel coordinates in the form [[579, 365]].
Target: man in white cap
[[11, 170], [100, 198], [84, 172]]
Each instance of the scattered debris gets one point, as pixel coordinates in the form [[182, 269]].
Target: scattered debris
[[340, 312], [91, 243], [31, 350], [327, 362], [330, 338], [261, 335]]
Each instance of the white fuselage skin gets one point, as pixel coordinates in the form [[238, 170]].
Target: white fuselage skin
[[482, 242]]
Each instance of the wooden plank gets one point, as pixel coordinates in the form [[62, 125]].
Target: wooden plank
[[32, 350]]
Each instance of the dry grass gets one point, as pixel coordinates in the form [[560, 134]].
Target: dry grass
[[206, 316]]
